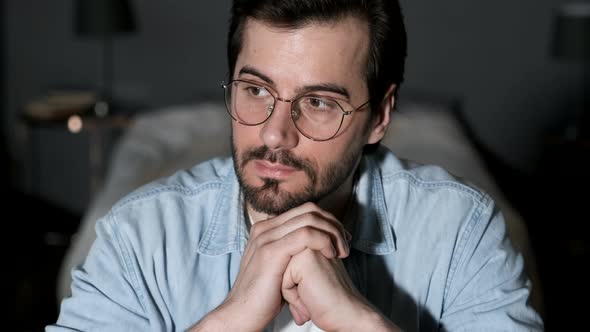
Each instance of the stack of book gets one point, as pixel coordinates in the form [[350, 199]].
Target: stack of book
[[59, 105]]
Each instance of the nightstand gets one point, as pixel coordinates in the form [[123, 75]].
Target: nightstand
[[67, 157]]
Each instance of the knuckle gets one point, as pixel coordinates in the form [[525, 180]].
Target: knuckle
[[313, 217], [305, 232], [255, 230], [309, 233], [324, 237], [330, 215], [310, 206], [319, 221], [257, 243], [304, 256], [307, 253]]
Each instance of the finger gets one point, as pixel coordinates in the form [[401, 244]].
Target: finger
[[275, 256], [263, 227], [310, 220], [290, 294], [296, 306], [289, 288], [299, 240], [299, 313], [321, 220]]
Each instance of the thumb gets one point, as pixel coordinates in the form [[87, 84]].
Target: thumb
[[291, 295], [296, 306]]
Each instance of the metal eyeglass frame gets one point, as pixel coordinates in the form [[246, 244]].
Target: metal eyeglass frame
[[276, 97]]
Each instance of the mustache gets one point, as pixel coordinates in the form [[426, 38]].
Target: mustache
[[264, 153], [284, 157]]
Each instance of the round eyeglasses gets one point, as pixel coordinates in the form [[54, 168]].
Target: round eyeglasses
[[318, 118]]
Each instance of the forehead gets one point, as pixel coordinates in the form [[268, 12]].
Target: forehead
[[334, 52]]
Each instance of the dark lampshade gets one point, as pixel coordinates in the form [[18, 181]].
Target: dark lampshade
[[100, 18], [571, 33]]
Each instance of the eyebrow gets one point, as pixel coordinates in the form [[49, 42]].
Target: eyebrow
[[255, 72], [328, 87]]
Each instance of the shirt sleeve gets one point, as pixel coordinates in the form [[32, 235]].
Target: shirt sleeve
[[105, 292], [487, 288]]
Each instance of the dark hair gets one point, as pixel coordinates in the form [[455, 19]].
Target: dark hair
[[388, 45]]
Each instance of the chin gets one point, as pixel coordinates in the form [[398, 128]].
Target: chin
[[274, 197]]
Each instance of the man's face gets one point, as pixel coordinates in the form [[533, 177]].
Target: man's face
[[279, 168]]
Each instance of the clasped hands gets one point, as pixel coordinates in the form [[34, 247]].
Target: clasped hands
[[295, 258]]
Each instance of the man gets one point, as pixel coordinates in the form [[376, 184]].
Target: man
[[310, 223]]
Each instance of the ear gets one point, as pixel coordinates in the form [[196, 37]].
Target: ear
[[381, 120]]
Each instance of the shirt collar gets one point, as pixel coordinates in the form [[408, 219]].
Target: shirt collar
[[372, 231], [368, 220], [227, 230]]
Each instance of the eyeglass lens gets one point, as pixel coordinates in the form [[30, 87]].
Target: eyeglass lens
[[316, 117]]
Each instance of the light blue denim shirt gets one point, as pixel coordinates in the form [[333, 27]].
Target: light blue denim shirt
[[430, 252]]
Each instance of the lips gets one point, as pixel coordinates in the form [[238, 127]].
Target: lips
[[266, 169]]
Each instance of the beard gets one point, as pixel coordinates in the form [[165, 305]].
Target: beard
[[270, 198]]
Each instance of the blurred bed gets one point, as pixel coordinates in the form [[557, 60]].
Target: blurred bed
[[424, 129]]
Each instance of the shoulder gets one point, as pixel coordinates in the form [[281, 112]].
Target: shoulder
[[184, 184], [427, 202], [395, 172], [422, 189], [173, 208], [146, 252], [190, 181], [438, 217], [467, 266]]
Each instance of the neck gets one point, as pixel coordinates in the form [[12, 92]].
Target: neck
[[336, 202]]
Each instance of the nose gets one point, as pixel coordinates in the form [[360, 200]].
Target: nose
[[279, 132]]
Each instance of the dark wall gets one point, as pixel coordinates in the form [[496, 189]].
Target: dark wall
[[176, 55], [3, 148], [495, 56]]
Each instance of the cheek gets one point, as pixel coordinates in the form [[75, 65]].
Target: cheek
[[245, 136], [336, 151], [322, 155]]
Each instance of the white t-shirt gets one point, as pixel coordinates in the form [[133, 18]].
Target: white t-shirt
[[284, 323]]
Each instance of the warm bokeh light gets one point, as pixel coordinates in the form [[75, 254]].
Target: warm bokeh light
[[75, 124]]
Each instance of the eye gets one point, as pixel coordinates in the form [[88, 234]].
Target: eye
[[257, 91], [319, 104]]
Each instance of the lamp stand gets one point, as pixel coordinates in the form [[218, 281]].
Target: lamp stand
[[104, 103], [585, 116]]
